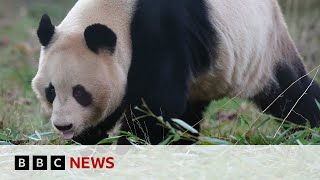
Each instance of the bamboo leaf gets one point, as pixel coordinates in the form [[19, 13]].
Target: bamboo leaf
[[109, 140], [214, 141], [185, 125], [318, 104]]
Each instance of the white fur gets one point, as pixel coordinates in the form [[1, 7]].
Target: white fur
[[252, 36]]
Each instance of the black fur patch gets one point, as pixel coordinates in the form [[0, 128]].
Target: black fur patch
[[45, 30], [306, 109], [80, 94], [50, 93], [99, 36], [172, 41]]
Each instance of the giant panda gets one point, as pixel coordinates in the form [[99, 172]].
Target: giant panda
[[108, 57]]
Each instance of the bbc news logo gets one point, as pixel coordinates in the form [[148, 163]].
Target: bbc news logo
[[59, 162], [40, 163]]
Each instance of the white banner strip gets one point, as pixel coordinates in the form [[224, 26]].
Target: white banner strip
[[161, 162]]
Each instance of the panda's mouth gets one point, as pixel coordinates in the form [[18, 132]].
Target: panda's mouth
[[67, 135]]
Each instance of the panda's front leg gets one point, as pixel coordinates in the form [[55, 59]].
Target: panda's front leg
[[147, 129], [151, 131]]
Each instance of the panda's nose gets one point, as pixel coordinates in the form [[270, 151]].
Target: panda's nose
[[64, 128]]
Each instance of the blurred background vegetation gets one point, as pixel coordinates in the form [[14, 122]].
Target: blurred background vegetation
[[20, 119]]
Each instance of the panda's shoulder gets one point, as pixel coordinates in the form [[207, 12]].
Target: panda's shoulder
[[180, 29]]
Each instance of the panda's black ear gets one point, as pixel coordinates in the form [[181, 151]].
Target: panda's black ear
[[45, 30], [99, 36]]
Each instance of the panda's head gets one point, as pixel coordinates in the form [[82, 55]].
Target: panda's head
[[79, 80]]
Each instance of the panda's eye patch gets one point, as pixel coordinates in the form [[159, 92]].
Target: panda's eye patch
[[80, 94], [50, 93]]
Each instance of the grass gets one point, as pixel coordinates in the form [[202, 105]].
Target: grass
[[227, 121]]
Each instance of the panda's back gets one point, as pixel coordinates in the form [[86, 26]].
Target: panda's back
[[246, 38], [249, 32]]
